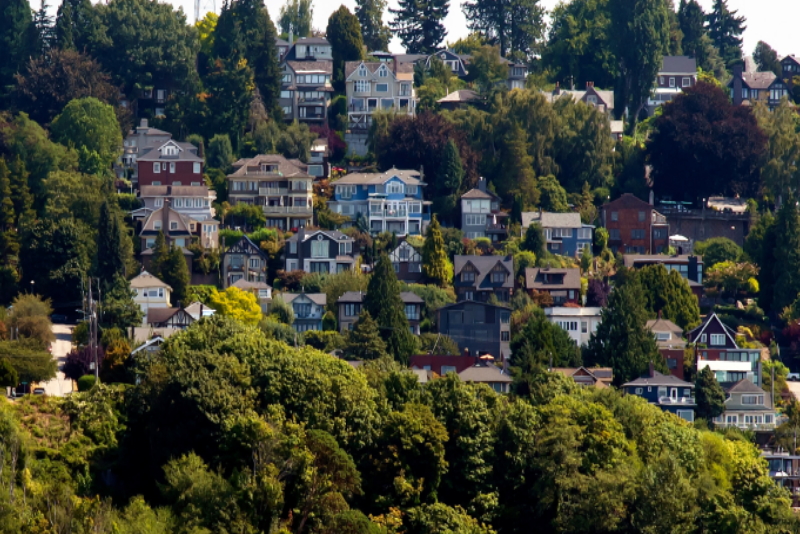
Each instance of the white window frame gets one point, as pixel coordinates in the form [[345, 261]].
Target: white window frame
[[717, 340], [156, 168]]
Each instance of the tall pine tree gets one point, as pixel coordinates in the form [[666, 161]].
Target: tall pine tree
[[787, 256], [375, 33], [7, 215], [514, 25], [175, 273], [17, 19], [364, 341], [159, 257], [419, 24], [709, 395], [435, 263], [110, 261], [384, 304], [344, 34], [725, 30], [691, 19], [448, 181]]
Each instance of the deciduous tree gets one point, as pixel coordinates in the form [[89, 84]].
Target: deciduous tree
[[237, 304], [91, 127], [295, 18]]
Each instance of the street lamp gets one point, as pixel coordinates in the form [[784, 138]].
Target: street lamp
[[32, 283]]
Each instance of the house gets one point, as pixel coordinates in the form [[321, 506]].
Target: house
[[349, 307], [441, 364], [138, 141], [170, 163], [150, 292], [198, 310], [486, 372], [477, 278], [669, 339], [676, 74], [459, 99], [310, 49], [481, 215], [579, 323], [564, 233], [308, 309], [749, 87], [193, 201], [477, 327], [563, 285], [784, 470], [715, 346], [282, 187], [149, 348], [244, 261], [669, 393], [142, 334], [388, 202], [602, 100], [517, 74], [748, 407], [690, 267], [260, 290], [177, 318], [283, 47], [457, 63], [407, 262], [306, 90], [178, 229], [318, 165], [377, 85], [319, 251], [599, 377], [634, 226]]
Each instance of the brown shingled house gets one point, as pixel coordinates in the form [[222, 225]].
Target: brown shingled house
[[563, 285]]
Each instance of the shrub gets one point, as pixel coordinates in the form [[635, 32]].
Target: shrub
[[86, 382]]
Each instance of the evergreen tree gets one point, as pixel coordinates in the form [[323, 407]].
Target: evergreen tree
[[767, 59], [42, 32], [374, 32], [760, 246], [780, 173], [691, 19], [534, 240], [7, 215], [364, 341], [78, 26], [622, 340], [447, 187], [175, 272], [118, 307], [435, 263], [709, 395], [20, 192], [787, 256], [514, 25], [419, 24], [110, 261], [344, 34], [383, 303], [725, 30], [667, 293], [17, 19], [159, 257], [295, 18]]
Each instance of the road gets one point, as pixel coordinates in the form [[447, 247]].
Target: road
[[794, 387], [60, 385]]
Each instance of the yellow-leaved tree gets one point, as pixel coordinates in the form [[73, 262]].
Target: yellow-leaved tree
[[240, 305]]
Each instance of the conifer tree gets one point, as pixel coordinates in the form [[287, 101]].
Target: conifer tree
[[364, 341], [725, 30], [375, 33], [175, 272], [448, 181], [622, 340], [17, 19], [118, 306], [20, 191], [159, 257], [787, 256], [435, 263], [7, 215], [418, 24], [709, 395], [383, 303], [344, 34], [110, 258]]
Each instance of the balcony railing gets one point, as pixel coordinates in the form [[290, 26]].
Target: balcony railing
[[288, 210], [746, 426], [272, 191], [676, 400]]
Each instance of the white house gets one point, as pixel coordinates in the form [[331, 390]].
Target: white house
[[150, 292], [579, 323]]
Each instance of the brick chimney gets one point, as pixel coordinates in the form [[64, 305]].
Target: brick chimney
[[737, 84], [165, 220]]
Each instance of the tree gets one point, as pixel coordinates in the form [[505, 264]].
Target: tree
[[691, 20], [780, 174], [160, 255], [31, 362], [118, 307], [375, 33], [553, 197], [8, 375], [237, 304], [383, 303], [431, 343], [79, 27], [515, 25], [364, 341], [91, 127], [709, 395], [720, 154], [110, 261], [295, 18], [175, 273], [18, 18], [760, 245], [448, 181], [622, 340], [220, 152], [731, 279], [344, 34], [534, 240], [597, 293], [645, 22], [583, 147], [717, 250], [435, 263], [487, 68], [767, 59], [419, 24], [725, 30], [666, 294], [787, 256]]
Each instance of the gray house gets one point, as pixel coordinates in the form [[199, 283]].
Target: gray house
[[319, 251], [244, 261], [349, 308], [481, 215], [479, 277], [748, 407], [477, 327], [308, 309]]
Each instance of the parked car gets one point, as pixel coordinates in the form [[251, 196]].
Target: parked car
[[793, 376], [38, 391]]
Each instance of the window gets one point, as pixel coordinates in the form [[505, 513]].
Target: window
[[346, 191], [504, 336], [412, 312], [286, 94], [753, 399], [641, 216], [717, 339], [319, 248], [173, 225], [292, 247], [504, 317], [639, 391], [475, 220], [196, 168], [613, 233], [383, 72], [172, 167], [663, 336], [345, 248], [159, 202], [415, 267], [156, 168], [498, 277], [394, 188], [686, 81], [686, 415], [659, 233], [637, 234], [661, 80], [468, 276], [320, 267], [561, 232], [584, 233], [614, 216], [672, 81], [448, 369], [302, 310], [381, 87], [703, 339], [468, 295], [362, 86], [584, 327], [255, 263], [351, 310]]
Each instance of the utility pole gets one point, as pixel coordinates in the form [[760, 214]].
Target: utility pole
[[93, 331]]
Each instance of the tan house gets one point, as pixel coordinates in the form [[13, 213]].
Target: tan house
[[378, 85], [150, 292], [178, 229], [748, 407], [599, 377]]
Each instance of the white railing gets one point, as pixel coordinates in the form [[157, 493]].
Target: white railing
[[287, 210]]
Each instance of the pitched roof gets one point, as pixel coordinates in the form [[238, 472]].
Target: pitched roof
[[744, 386], [287, 168], [627, 200], [534, 278], [407, 176], [317, 298], [312, 40], [712, 317], [478, 193], [160, 315], [186, 152], [606, 96], [358, 296], [678, 65], [324, 66], [552, 220], [484, 373], [757, 80], [603, 376], [629, 260], [484, 265], [658, 380], [308, 234], [663, 325], [791, 58], [145, 279], [244, 284], [459, 96]]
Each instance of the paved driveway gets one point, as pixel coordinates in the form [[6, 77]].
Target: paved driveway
[[60, 385]]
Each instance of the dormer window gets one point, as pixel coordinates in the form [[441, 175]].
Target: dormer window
[[499, 276], [362, 70], [170, 150], [468, 274], [383, 72]]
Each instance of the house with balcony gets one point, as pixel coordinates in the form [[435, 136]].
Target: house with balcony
[[676, 74], [281, 187], [350, 303], [634, 227], [138, 141], [477, 278], [377, 85], [180, 227], [477, 327], [244, 261], [407, 263], [193, 201], [306, 90], [389, 202], [150, 292], [784, 470], [579, 323], [715, 346], [747, 407], [318, 165], [669, 393], [320, 251], [564, 233], [308, 309], [481, 215], [563, 285]]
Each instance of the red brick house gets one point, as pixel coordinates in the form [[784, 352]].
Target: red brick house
[[171, 163], [634, 227]]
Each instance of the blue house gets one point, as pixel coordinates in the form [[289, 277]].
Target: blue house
[[388, 202], [668, 392], [565, 234]]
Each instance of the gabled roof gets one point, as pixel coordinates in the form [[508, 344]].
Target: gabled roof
[[407, 176], [287, 168], [791, 58], [484, 373], [627, 200], [162, 315], [351, 67], [630, 260], [756, 80], [330, 234], [246, 246], [534, 278], [317, 298], [552, 220], [357, 296], [663, 325], [744, 386], [323, 66], [244, 284], [678, 65], [157, 340], [145, 279], [478, 193], [460, 96], [484, 265], [603, 376], [657, 379], [697, 332], [186, 152]]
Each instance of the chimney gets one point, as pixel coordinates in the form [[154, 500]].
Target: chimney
[[482, 184], [143, 124], [301, 236], [291, 36], [737, 84], [651, 198], [589, 85], [652, 370], [165, 220]]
